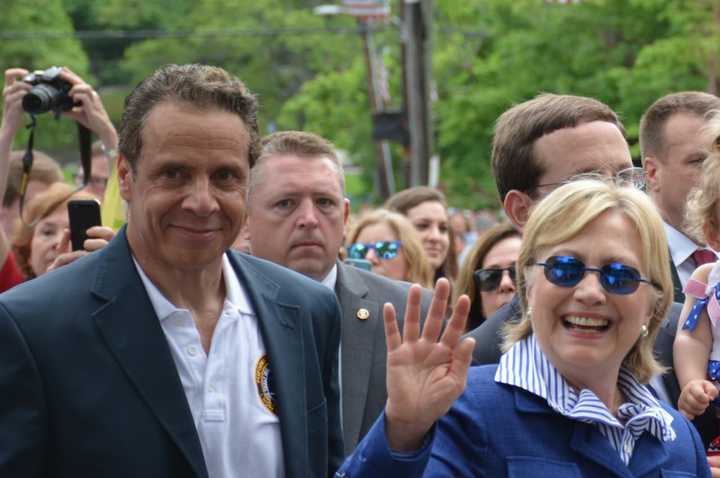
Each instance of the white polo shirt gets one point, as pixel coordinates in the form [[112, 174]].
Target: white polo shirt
[[233, 407]]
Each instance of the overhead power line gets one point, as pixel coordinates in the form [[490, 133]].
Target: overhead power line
[[142, 34], [266, 32]]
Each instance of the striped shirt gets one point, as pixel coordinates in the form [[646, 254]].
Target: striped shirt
[[526, 366]]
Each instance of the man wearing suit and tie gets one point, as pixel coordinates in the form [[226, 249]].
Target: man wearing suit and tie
[[673, 145], [297, 212], [162, 355]]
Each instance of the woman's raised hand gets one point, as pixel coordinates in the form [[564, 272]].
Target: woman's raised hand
[[426, 370]]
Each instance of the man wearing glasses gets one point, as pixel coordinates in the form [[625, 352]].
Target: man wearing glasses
[[297, 212], [539, 145]]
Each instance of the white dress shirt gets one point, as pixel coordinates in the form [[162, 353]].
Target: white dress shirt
[[227, 389], [681, 250]]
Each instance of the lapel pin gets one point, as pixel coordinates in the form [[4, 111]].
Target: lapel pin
[[363, 314]]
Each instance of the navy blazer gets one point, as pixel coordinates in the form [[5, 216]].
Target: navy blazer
[[88, 387], [495, 430]]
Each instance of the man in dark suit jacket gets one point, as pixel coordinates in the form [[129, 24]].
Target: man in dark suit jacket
[[297, 214], [136, 360], [535, 145]]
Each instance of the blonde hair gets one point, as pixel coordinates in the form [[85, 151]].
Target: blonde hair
[[563, 214], [418, 270], [704, 199]]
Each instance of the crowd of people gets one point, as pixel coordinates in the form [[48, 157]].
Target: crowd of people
[[244, 323]]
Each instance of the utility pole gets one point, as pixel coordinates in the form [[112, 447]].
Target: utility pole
[[383, 162], [417, 21]]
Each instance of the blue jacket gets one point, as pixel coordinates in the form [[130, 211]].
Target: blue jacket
[[494, 430]]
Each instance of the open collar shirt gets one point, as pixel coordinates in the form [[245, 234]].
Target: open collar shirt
[[227, 389]]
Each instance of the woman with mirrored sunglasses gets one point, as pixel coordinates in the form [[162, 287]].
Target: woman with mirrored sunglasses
[[488, 273], [389, 242], [569, 396]]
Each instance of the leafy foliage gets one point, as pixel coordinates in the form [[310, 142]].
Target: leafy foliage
[[309, 71]]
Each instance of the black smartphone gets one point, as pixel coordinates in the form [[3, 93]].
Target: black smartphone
[[83, 214]]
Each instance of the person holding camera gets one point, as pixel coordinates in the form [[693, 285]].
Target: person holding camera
[[62, 91]]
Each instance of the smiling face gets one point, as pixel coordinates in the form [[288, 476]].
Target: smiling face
[[187, 194], [430, 219], [585, 331], [395, 268], [297, 213]]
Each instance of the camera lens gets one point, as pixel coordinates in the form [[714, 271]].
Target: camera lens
[[41, 99]]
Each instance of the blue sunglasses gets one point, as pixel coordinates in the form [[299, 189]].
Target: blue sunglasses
[[616, 278], [384, 249]]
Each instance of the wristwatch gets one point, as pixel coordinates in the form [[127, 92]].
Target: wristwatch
[[110, 153]]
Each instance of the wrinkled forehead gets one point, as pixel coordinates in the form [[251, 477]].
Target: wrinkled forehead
[[174, 124]]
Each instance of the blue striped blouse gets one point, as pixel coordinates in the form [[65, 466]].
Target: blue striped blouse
[[526, 366]]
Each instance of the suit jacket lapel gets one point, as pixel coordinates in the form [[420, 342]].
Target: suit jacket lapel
[[282, 337], [358, 343], [133, 333], [678, 294]]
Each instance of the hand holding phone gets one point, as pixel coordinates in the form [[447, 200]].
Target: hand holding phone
[[83, 214]]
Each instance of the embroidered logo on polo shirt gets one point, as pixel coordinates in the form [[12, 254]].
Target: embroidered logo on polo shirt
[[262, 380]]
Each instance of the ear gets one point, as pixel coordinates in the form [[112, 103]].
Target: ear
[[517, 206], [652, 173], [346, 211], [710, 232], [125, 177]]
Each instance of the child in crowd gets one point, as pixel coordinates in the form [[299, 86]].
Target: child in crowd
[[697, 343]]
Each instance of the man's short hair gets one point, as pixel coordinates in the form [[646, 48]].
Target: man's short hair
[[44, 169], [514, 164], [201, 86], [652, 123], [296, 143]]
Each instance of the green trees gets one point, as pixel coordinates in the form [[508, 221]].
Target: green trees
[[22, 48], [309, 71]]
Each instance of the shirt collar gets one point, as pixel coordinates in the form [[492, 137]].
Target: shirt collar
[[525, 366], [331, 278], [681, 246], [235, 296]]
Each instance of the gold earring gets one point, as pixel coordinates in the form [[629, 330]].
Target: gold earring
[[644, 332]]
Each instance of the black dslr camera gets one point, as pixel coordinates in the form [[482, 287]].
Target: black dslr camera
[[49, 92]]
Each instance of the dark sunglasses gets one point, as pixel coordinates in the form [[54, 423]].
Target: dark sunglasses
[[384, 249], [489, 280], [616, 278]]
